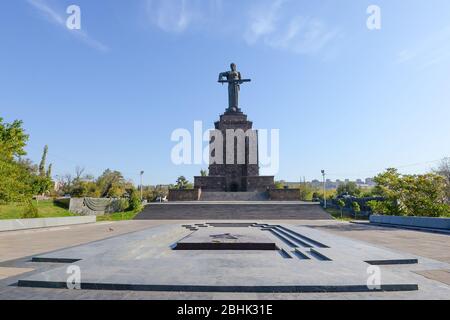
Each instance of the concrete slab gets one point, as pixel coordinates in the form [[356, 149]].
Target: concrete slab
[[437, 275], [432, 251], [11, 272], [24, 243], [424, 244], [145, 261]]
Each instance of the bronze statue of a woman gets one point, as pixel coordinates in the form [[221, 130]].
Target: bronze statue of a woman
[[234, 80]]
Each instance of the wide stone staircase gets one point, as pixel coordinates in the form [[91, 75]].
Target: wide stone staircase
[[250, 211], [234, 196]]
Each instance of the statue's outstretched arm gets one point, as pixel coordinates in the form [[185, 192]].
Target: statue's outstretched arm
[[223, 75]]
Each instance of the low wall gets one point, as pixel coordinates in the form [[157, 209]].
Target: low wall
[[420, 222], [284, 194], [93, 206], [23, 224], [184, 195]]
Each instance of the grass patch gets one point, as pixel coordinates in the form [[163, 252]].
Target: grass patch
[[119, 216], [46, 209], [336, 214]]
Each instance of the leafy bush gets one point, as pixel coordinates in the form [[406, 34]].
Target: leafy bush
[[410, 195], [123, 205], [15, 182], [31, 211], [135, 201]]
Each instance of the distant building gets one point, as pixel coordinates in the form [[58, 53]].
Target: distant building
[[370, 182]]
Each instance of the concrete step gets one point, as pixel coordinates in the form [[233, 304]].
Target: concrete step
[[234, 196], [233, 211]]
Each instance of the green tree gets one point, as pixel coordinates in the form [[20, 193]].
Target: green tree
[[182, 183], [350, 188], [13, 140], [306, 192], [444, 170], [341, 204], [117, 190], [380, 207], [356, 208], [111, 184], [135, 201], [15, 181], [15, 174], [317, 195], [203, 173], [83, 189], [279, 185], [42, 172], [49, 171], [411, 195], [41, 184]]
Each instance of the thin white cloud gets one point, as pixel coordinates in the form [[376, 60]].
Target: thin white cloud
[[177, 16], [270, 23], [432, 51], [53, 16], [265, 22]]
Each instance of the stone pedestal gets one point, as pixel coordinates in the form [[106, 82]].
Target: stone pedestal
[[235, 177]]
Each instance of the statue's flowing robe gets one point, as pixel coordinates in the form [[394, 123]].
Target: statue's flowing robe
[[233, 88], [233, 95]]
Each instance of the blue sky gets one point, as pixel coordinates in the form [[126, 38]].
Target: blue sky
[[347, 99]]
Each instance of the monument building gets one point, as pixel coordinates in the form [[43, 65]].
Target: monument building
[[234, 162]]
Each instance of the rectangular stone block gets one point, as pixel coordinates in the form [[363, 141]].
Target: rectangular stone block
[[227, 239]]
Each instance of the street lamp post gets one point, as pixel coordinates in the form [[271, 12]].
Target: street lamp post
[[324, 189], [142, 174]]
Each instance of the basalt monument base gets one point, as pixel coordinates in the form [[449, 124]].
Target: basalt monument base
[[234, 176]]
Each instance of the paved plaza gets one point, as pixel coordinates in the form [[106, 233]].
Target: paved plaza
[[321, 256]]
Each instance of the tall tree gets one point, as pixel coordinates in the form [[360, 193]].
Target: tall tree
[[42, 172], [13, 139], [15, 176], [112, 184], [444, 170], [49, 171]]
